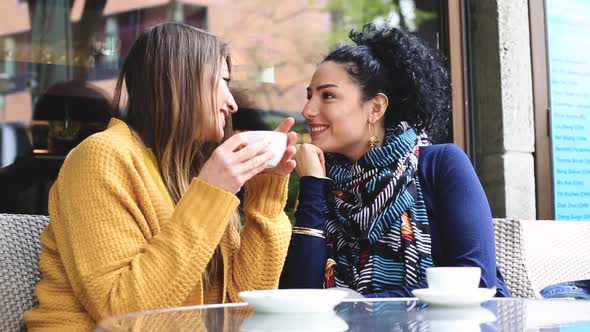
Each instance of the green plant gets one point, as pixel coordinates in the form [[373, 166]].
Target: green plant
[[292, 196]]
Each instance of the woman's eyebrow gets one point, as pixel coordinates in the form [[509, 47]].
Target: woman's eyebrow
[[323, 86]]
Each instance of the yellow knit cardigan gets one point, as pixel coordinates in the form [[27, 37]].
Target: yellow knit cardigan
[[115, 244]]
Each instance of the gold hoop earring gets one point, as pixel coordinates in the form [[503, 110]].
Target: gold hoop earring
[[373, 139]]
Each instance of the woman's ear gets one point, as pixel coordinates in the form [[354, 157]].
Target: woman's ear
[[379, 105]]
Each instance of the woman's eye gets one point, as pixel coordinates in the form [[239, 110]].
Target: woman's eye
[[327, 95], [308, 97]]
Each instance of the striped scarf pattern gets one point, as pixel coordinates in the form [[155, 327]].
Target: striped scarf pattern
[[377, 227]]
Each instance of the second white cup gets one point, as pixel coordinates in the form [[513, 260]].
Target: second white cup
[[278, 143], [453, 279]]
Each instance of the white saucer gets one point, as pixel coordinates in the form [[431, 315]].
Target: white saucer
[[467, 299], [293, 300]]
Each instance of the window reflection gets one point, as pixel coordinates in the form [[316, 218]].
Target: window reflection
[[59, 60]]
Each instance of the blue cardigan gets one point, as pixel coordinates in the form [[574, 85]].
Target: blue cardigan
[[461, 228]]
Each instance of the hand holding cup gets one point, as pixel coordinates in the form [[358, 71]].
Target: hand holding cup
[[236, 161], [286, 163]]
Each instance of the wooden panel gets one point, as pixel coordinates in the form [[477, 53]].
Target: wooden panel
[[543, 160], [456, 40]]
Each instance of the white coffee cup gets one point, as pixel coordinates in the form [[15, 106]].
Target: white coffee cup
[[453, 279], [278, 143]]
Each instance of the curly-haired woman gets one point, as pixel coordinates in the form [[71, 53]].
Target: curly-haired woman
[[396, 204]]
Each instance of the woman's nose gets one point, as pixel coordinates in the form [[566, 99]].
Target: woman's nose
[[231, 105], [308, 111]]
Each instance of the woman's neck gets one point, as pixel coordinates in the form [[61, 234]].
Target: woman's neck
[[357, 154]]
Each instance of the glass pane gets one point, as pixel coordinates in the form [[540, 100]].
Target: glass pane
[[59, 60], [568, 43]]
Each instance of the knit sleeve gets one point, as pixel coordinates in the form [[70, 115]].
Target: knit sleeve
[[465, 221], [115, 263], [264, 239]]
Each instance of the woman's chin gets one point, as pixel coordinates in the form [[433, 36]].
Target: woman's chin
[[320, 144], [220, 135], [214, 140]]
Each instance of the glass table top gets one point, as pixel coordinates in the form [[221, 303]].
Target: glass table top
[[368, 315]]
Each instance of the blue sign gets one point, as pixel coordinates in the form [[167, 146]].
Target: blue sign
[[568, 39]]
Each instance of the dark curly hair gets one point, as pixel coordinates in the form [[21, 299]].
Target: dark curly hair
[[398, 64]]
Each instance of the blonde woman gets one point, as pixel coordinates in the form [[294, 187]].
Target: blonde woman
[[143, 215]]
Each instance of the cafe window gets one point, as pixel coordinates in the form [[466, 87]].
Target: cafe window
[[48, 47], [561, 72]]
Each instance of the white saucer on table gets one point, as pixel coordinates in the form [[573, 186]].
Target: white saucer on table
[[293, 300], [454, 299]]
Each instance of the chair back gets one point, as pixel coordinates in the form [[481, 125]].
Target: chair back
[[533, 254], [20, 248]]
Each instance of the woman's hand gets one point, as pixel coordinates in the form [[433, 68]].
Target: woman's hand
[[234, 162], [287, 163], [310, 161]]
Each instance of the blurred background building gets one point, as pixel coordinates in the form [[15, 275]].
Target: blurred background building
[[519, 69]]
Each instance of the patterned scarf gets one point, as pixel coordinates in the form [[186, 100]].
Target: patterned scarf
[[377, 228]]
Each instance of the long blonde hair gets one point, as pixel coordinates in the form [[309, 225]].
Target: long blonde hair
[[171, 75]]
